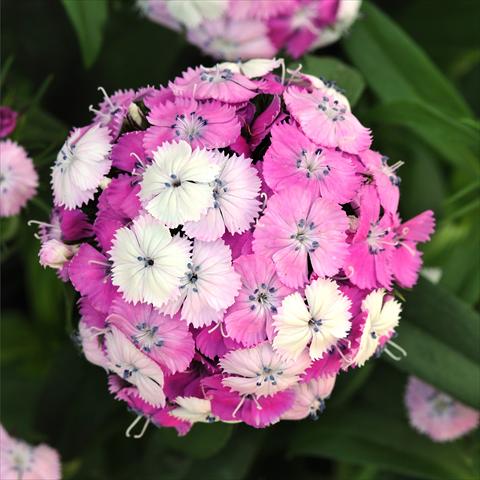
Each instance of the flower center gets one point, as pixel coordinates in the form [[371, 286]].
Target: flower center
[[218, 190], [316, 408], [191, 277], [268, 375], [333, 109], [375, 238], [147, 262], [263, 298], [303, 236], [175, 181], [389, 170], [442, 405], [313, 163], [216, 75], [315, 324], [147, 337], [189, 127]]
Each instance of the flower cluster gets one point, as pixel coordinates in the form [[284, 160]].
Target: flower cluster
[[244, 29], [21, 461], [234, 241], [436, 414], [18, 178]]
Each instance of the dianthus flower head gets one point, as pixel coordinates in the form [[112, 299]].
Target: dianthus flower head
[[18, 178], [437, 414], [233, 239]]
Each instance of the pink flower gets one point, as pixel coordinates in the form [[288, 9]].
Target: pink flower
[[256, 411], [437, 414], [165, 340], [240, 244], [91, 274], [406, 259], [249, 319], [55, 254], [293, 157], [208, 287], [8, 121], [21, 461], [18, 178], [207, 124], [369, 262], [261, 371], [214, 83], [326, 121], [128, 153], [113, 110], [265, 121], [262, 9], [233, 39], [291, 233], [235, 203], [310, 399], [385, 178]]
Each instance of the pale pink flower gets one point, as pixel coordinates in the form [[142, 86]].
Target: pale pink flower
[[298, 227], [215, 83], [235, 202], [55, 254], [326, 121], [81, 165], [21, 461], [165, 340], [310, 399], [18, 178], [129, 363], [437, 414], [292, 157], [208, 286], [201, 124], [261, 371], [249, 319], [194, 410]]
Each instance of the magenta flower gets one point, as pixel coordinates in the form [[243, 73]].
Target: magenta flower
[[292, 156], [8, 121], [19, 460], [437, 414], [309, 229], [233, 252], [18, 178], [326, 120], [207, 124]]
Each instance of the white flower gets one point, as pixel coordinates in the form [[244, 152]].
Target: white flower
[[310, 398], [261, 371], [209, 285], [381, 320], [133, 366], [192, 12], [325, 321], [193, 410], [81, 165], [147, 262], [54, 253], [176, 186], [235, 195]]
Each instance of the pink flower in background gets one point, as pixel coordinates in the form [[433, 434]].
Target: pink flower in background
[[18, 178], [437, 414], [233, 252], [243, 29], [308, 229], [21, 461], [8, 121]]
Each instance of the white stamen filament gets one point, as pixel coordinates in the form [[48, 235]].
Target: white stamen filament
[[237, 408], [96, 262], [257, 404], [106, 97], [128, 432], [398, 347], [132, 425]]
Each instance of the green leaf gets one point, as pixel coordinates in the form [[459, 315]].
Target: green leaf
[[88, 18], [329, 68], [456, 142], [395, 67], [441, 335], [203, 440]]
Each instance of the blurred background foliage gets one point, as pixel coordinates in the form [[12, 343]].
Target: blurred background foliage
[[412, 69]]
